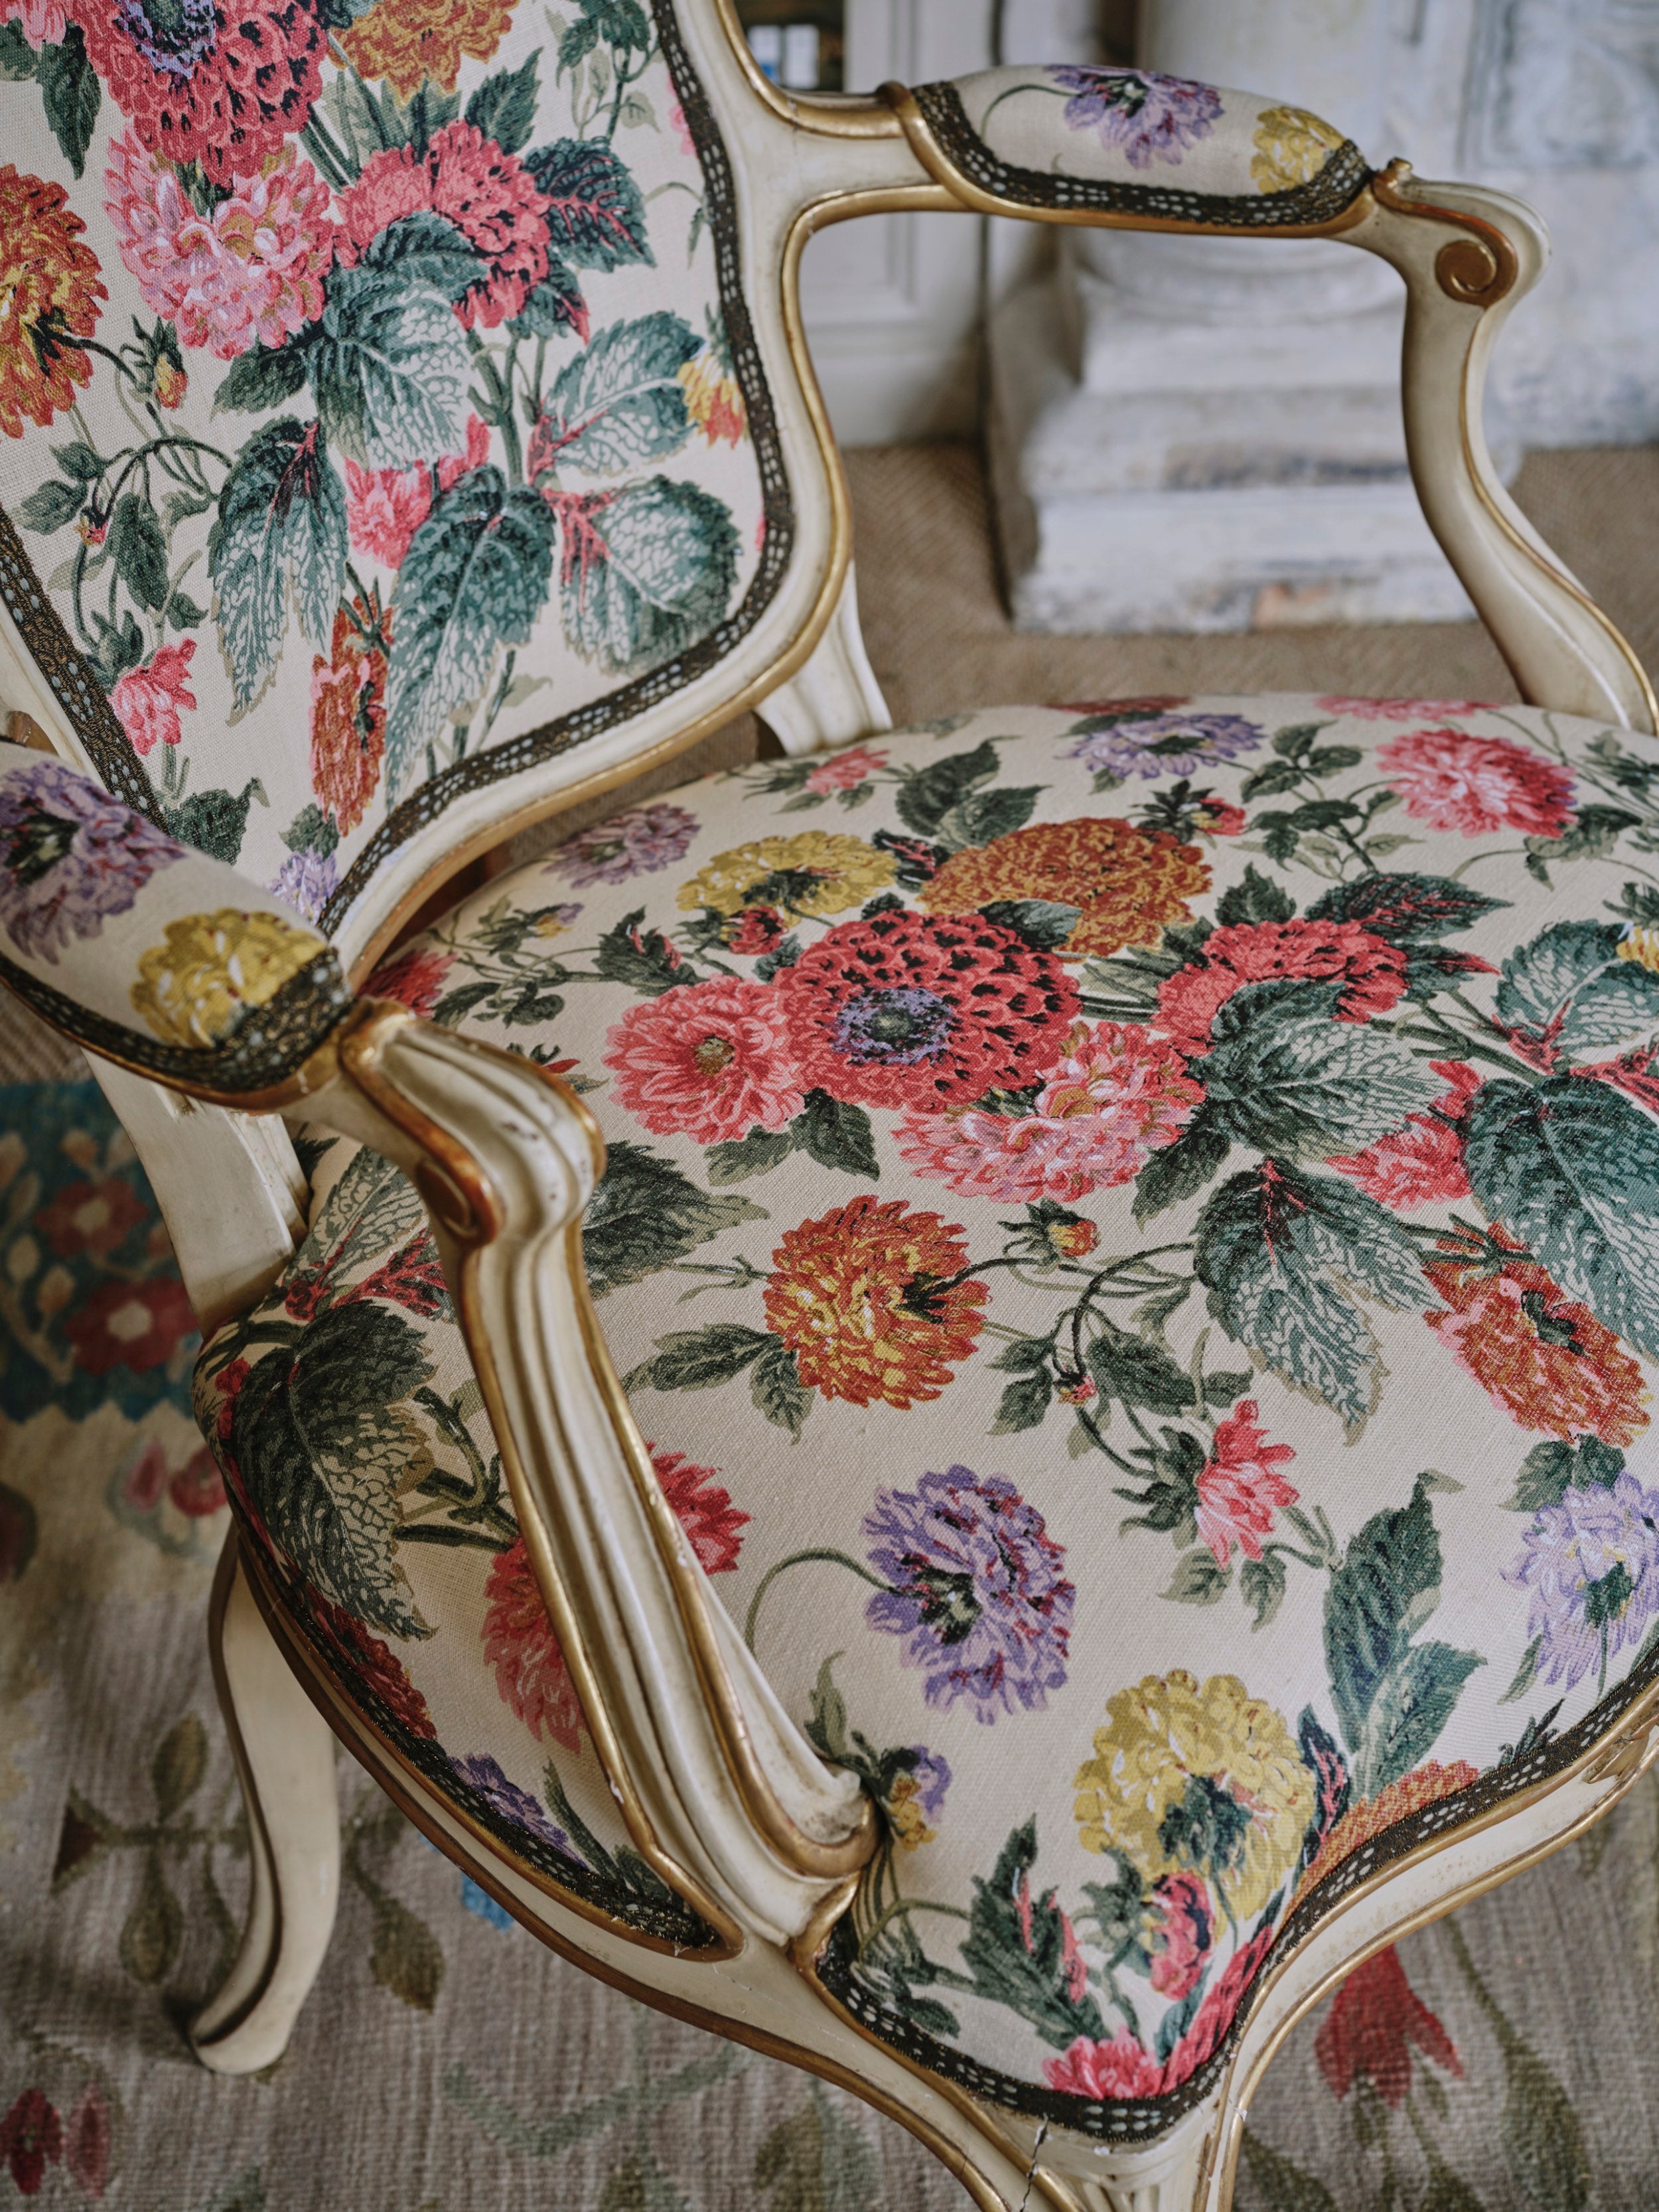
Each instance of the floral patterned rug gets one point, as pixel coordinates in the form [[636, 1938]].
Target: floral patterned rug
[[1503, 2059]]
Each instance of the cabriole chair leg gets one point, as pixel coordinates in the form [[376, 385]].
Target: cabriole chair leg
[[284, 1753]]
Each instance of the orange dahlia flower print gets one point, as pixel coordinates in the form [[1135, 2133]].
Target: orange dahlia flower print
[[348, 720], [1395, 1801], [871, 1300], [1545, 1359], [49, 297], [407, 40], [1128, 883]]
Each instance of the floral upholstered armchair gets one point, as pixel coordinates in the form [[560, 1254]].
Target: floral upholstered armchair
[[973, 1405]]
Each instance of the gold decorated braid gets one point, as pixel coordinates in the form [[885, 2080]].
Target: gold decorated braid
[[269, 1044], [1320, 200]]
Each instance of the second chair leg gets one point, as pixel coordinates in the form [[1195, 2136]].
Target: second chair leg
[[284, 1753]]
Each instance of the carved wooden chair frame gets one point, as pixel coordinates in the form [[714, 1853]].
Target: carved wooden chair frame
[[721, 1792]]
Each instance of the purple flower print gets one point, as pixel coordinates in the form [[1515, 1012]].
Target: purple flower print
[[636, 843], [1592, 1564], [930, 1777], [514, 1805], [977, 1590], [1163, 744], [307, 881], [1144, 114], [70, 856]]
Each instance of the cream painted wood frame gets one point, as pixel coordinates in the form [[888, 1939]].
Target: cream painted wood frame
[[720, 1791]]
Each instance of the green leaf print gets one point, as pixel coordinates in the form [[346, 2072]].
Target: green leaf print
[[70, 92], [282, 514], [1392, 1697], [1180, 1169], [595, 216], [924, 798], [475, 577], [1016, 1948], [1572, 1167], [621, 401], [1285, 1075], [1256, 897], [323, 1447], [837, 1134], [1406, 909], [645, 1214], [263, 377], [139, 550], [389, 368], [504, 105], [1286, 1257], [1570, 991], [777, 1389], [699, 1359], [426, 249], [646, 571]]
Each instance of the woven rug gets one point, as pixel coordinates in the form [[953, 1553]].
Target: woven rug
[[1505, 2058]]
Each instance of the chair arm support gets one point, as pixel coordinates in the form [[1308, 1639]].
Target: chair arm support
[[1074, 142], [148, 953], [721, 1792]]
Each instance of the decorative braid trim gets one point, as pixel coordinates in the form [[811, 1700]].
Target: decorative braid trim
[[1144, 2119], [73, 684], [666, 1916], [267, 1045], [1323, 198]]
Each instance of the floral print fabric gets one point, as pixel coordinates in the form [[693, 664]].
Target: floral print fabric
[[1131, 1230], [392, 410], [1134, 126], [140, 941]]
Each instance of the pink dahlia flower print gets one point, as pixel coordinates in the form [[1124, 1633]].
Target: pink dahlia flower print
[[976, 1589], [44, 21], [1240, 1487], [1422, 1162], [1119, 1096], [250, 273], [639, 843], [1144, 116], [1398, 710], [147, 699], [845, 770], [385, 507], [706, 1061], [1372, 972], [1475, 784], [712, 1524], [1120, 2068], [519, 1644], [416, 978], [203, 80], [69, 857], [490, 197], [1185, 1931]]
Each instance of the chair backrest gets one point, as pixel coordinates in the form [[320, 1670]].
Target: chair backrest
[[385, 419]]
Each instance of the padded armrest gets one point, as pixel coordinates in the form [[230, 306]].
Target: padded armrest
[[149, 953], [1074, 137]]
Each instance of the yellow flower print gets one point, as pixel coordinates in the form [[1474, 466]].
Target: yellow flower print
[[1201, 1779], [1641, 945], [194, 987], [1292, 146], [813, 873]]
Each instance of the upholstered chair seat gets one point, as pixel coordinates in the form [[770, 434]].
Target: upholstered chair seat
[[1128, 1230]]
